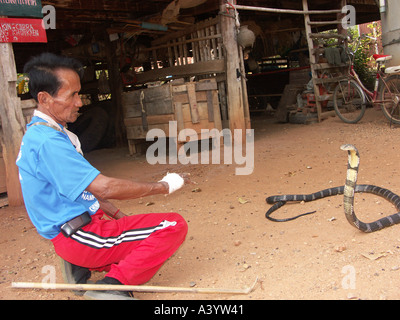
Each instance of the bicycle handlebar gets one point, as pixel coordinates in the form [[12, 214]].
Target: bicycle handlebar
[[358, 43]]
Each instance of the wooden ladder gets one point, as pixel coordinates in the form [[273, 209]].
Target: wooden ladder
[[316, 67]]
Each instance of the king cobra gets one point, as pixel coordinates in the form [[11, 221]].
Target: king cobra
[[348, 191]]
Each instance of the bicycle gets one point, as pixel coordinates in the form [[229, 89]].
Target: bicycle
[[350, 96]]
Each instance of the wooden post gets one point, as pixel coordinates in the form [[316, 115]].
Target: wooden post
[[233, 83], [246, 107], [12, 121], [312, 58], [115, 82], [339, 17]]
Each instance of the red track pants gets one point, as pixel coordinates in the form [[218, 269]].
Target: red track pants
[[131, 249]]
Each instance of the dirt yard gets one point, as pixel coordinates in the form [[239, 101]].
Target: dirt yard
[[230, 243]]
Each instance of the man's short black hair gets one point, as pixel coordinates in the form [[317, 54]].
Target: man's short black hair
[[41, 71]]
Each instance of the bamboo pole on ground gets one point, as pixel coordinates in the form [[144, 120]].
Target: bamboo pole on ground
[[137, 288]]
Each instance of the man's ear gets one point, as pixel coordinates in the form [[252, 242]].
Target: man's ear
[[44, 98]]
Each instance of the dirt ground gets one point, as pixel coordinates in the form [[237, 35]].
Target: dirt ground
[[230, 244]]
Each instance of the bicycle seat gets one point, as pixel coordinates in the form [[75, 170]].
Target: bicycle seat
[[392, 70], [381, 57]]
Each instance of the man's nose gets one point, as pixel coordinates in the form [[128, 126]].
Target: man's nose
[[79, 102]]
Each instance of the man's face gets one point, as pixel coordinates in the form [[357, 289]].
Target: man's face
[[64, 106]]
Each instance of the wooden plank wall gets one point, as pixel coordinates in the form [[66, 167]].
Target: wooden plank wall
[[192, 52], [193, 105]]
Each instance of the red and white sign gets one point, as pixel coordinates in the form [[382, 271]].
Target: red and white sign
[[22, 30]]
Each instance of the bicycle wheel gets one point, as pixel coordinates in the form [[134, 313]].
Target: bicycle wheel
[[349, 101], [390, 96]]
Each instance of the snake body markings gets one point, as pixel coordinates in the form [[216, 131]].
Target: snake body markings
[[348, 191]]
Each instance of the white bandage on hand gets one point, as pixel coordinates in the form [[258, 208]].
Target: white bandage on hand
[[174, 180]]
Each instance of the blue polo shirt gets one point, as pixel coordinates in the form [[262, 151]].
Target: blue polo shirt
[[53, 178]]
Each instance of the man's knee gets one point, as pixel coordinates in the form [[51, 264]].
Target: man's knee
[[181, 226]]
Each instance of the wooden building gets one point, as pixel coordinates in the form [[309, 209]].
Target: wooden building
[[165, 60]]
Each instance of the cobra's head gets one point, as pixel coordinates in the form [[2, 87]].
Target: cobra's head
[[348, 147], [354, 156]]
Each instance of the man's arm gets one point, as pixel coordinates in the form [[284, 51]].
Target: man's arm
[[111, 210], [105, 188]]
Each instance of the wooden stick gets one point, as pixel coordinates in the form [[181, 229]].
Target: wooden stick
[[88, 287], [239, 7]]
